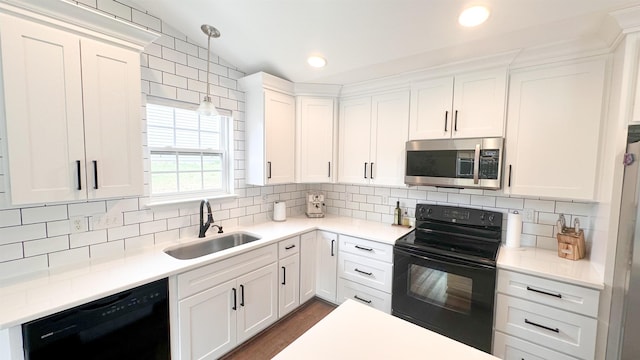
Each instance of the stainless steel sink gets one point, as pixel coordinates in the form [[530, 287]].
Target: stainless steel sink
[[210, 246]]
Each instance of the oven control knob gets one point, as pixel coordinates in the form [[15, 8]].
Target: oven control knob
[[482, 216], [491, 217]]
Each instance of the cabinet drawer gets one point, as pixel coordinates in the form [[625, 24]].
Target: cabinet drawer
[[363, 294], [561, 295], [367, 248], [557, 329], [510, 348], [372, 273], [210, 275], [288, 247]]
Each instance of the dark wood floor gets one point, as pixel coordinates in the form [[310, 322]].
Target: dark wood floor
[[272, 340]]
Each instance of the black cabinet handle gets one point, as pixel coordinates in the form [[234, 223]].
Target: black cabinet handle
[[363, 248], [559, 296], [95, 173], [241, 295], [289, 247], [332, 241], [268, 169], [446, 116], [509, 176], [555, 330], [365, 170], [235, 300], [79, 175], [455, 122], [284, 275], [329, 169], [361, 299], [363, 272], [371, 175]]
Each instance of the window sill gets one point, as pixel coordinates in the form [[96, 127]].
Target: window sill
[[159, 202]]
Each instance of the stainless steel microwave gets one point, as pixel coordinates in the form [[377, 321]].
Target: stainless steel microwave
[[456, 163]]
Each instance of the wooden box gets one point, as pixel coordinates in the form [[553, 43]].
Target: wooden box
[[571, 244]]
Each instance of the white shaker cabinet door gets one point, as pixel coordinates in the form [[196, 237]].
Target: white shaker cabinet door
[[326, 265], [431, 115], [354, 141], [390, 128], [279, 117], [257, 301], [43, 107], [111, 91], [553, 130], [289, 283], [315, 141], [208, 322], [307, 266]]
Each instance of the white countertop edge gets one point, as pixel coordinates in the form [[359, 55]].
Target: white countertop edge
[[99, 278], [546, 263]]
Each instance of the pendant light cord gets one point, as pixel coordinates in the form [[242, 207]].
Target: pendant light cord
[[208, 55]]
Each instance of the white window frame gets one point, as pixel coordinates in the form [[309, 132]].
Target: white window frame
[[228, 174]]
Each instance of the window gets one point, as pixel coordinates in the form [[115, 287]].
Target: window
[[190, 154]]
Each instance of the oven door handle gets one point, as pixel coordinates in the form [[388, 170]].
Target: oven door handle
[[448, 261]]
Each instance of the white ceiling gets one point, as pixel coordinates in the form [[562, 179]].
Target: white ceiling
[[366, 39]]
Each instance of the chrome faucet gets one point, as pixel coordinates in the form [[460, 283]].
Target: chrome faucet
[[205, 226]]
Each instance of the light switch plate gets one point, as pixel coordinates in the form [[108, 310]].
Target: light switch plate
[[77, 224]]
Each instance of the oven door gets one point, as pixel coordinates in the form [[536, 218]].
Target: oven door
[[450, 296]]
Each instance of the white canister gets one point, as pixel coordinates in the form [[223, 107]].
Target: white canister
[[280, 211]]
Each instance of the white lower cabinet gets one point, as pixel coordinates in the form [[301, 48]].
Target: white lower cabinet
[[326, 265], [543, 318], [225, 303], [289, 275], [307, 266], [365, 272]]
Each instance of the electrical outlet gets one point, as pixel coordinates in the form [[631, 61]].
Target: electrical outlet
[[528, 215], [77, 224]]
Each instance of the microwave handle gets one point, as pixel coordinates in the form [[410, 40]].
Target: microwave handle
[[476, 165]]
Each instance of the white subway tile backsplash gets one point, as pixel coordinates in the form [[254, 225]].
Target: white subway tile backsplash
[[87, 238], [115, 8], [153, 226], [146, 20], [509, 203], [44, 214], [107, 250], [539, 205], [168, 236], [68, 257], [174, 56], [481, 200], [437, 196], [549, 243], [459, 198], [537, 229], [87, 209], [134, 217], [11, 252], [574, 208], [56, 228], [23, 266], [418, 194], [374, 217], [44, 246], [10, 218], [123, 232], [14, 234], [367, 190], [139, 242]]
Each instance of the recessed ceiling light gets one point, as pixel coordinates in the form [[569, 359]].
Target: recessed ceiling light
[[317, 61], [474, 16]]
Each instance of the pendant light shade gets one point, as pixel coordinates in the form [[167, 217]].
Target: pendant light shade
[[206, 106]]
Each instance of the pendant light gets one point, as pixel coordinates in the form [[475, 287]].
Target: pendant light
[[206, 106]]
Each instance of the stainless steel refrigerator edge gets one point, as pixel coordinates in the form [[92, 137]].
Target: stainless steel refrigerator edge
[[625, 306]]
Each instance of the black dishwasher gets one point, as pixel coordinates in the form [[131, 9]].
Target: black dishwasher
[[133, 324]]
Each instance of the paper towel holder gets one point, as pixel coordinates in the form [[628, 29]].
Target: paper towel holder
[[279, 211]]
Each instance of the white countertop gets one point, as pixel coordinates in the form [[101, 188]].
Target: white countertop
[[356, 331], [40, 294], [547, 263]]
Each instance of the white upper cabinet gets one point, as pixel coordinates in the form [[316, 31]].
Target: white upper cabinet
[[553, 130], [71, 104], [269, 129], [465, 106], [315, 119], [372, 136]]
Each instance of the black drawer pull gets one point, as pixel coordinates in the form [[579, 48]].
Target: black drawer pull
[[363, 272], [95, 173], [446, 115], [235, 299], [455, 124], [363, 248], [289, 247], [329, 169], [241, 295], [361, 299], [332, 242], [556, 330], [559, 296], [509, 176]]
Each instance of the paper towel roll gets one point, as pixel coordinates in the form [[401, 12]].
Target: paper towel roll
[[514, 229], [279, 211]]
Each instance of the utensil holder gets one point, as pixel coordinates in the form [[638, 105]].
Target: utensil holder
[[571, 244]]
